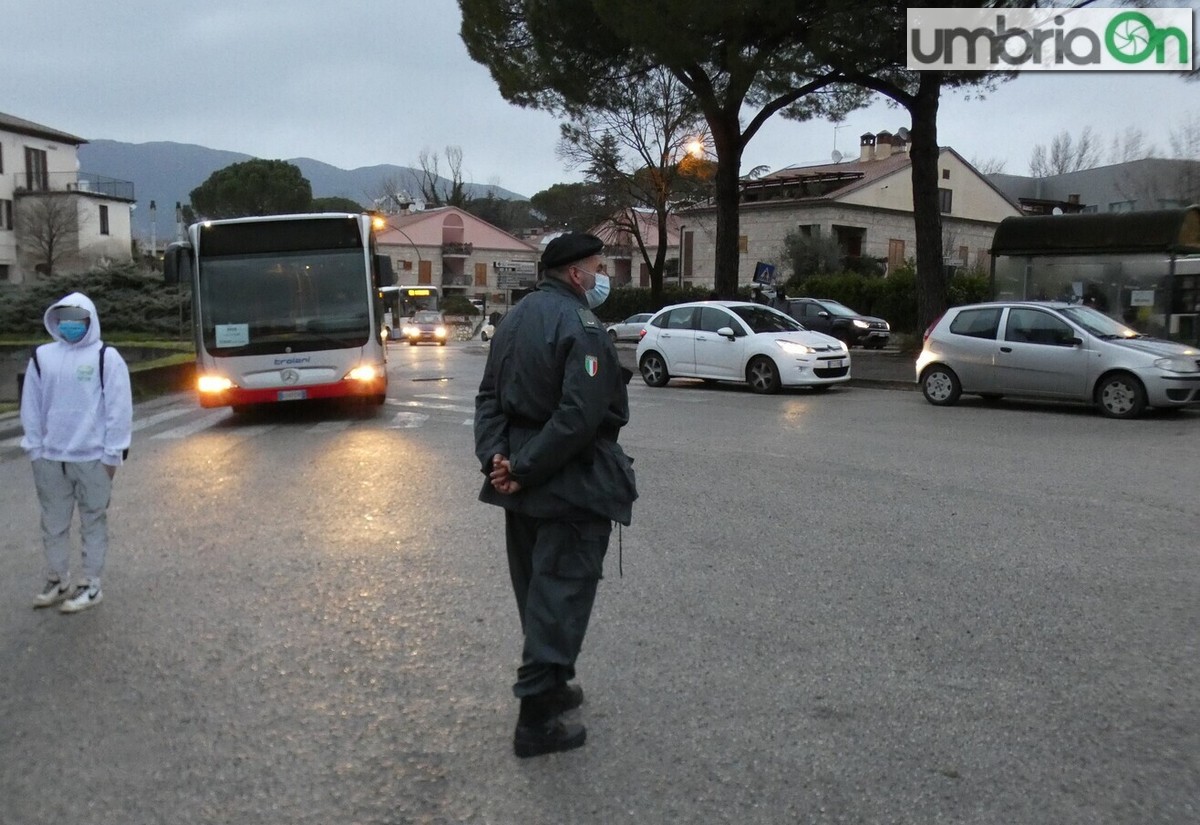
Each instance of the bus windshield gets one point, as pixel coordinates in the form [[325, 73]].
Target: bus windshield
[[284, 301]]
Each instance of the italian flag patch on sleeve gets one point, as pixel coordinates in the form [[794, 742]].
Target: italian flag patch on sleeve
[[591, 365]]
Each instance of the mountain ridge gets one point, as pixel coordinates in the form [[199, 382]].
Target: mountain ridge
[[165, 172]]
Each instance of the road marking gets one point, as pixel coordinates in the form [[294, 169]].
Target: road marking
[[329, 426], [444, 397], [407, 421], [196, 426], [427, 406], [165, 415]]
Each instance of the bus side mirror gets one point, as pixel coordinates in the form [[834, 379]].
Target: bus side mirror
[[177, 264], [383, 265]]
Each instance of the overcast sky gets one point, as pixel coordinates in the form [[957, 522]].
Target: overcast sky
[[354, 83]]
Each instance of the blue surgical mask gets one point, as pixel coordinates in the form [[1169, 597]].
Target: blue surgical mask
[[72, 331], [598, 294]]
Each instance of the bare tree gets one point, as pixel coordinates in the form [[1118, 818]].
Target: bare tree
[[1169, 181], [988, 166], [391, 195], [48, 226], [434, 189], [1066, 154], [645, 150], [1130, 145]]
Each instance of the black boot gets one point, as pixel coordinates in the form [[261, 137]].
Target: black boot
[[565, 697], [541, 731]]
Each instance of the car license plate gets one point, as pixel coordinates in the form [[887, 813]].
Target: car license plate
[[293, 395], [835, 364]]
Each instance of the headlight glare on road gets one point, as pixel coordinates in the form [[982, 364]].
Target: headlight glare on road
[[363, 372], [213, 383], [792, 348], [1177, 364]]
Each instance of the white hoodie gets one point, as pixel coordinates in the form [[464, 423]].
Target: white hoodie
[[66, 414]]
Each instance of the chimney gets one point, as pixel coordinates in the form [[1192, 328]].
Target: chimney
[[866, 147], [1073, 200], [884, 145]]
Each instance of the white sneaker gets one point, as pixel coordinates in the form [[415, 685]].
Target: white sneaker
[[53, 593], [84, 596]]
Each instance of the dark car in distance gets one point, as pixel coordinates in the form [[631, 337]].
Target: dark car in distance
[[832, 318]]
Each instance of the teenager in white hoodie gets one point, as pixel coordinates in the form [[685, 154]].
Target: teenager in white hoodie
[[77, 431]]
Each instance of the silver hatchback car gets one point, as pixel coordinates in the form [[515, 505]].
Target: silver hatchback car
[[1054, 351]]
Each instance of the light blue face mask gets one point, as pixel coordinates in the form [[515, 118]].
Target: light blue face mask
[[72, 331], [598, 294]]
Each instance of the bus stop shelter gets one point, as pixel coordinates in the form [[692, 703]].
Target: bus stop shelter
[[1140, 267]]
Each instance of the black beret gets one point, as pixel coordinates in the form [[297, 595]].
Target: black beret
[[569, 248]]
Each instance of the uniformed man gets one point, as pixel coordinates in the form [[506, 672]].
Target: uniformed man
[[549, 408]]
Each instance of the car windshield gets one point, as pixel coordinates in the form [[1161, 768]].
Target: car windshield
[[1098, 324], [838, 309], [427, 318], [765, 319]]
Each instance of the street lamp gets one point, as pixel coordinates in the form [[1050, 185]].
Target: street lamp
[[682, 227]]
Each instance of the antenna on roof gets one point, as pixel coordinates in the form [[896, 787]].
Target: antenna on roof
[[837, 156]]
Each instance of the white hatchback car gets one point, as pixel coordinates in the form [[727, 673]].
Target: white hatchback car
[[739, 341], [1056, 351]]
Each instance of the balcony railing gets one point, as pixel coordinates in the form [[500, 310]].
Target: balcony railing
[[73, 182], [457, 250], [455, 279], [619, 250]]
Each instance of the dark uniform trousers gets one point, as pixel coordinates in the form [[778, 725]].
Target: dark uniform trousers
[[555, 566]]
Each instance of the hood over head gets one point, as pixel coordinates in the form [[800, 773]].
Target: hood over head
[[75, 306]]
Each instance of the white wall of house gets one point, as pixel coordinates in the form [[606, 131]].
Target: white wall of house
[[96, 245], [882, 209]]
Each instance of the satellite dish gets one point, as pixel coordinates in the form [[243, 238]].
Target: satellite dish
[[902, 133], [1056, 210], [837, 156]]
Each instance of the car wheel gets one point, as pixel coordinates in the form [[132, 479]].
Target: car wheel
[[441, 343], [483, 335], [654, 370], [940, 386], [1121, 395], [612, 333], [762, 375]]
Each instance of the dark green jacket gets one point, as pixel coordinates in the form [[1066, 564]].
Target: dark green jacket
[[553, 400]]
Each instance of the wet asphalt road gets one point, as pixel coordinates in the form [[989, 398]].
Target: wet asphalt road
[[846, 608]]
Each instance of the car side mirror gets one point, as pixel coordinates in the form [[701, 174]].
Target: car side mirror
[[726, 332], [822, 314], [1074, 341]]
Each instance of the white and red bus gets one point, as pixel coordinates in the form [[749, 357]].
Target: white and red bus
[[284, 308]]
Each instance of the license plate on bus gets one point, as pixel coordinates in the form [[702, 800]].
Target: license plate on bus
[[292, 395]]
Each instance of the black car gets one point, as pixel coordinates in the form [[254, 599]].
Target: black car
[[830, 317]]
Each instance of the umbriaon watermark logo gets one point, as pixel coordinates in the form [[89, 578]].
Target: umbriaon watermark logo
[[1121, 39]]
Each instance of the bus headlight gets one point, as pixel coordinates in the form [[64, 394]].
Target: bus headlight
[[213, 383], [363, 372]]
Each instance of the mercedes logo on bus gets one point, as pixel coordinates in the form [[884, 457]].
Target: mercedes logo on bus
[[289, 376]]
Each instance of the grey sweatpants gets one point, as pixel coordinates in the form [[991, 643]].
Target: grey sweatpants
[[61, 485]]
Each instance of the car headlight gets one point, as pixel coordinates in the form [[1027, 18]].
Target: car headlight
[[1177, 364], [411, 331], [440, 332], [363, 372], [792, 348], [861, 324], [213, 383]]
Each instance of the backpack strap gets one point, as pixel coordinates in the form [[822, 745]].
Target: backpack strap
[[103, 347], [37, 366]]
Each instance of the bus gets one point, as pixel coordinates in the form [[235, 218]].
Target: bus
[[403, 301], [284, 308]]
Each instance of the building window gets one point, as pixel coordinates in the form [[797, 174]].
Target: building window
[[895, 253], [1121, 206], [945, 200], [743, 243], [103, 219], [4, 274], [37, 176], [964, 255], [6, 214], [810, 230], [1, 158], [945, 174]]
